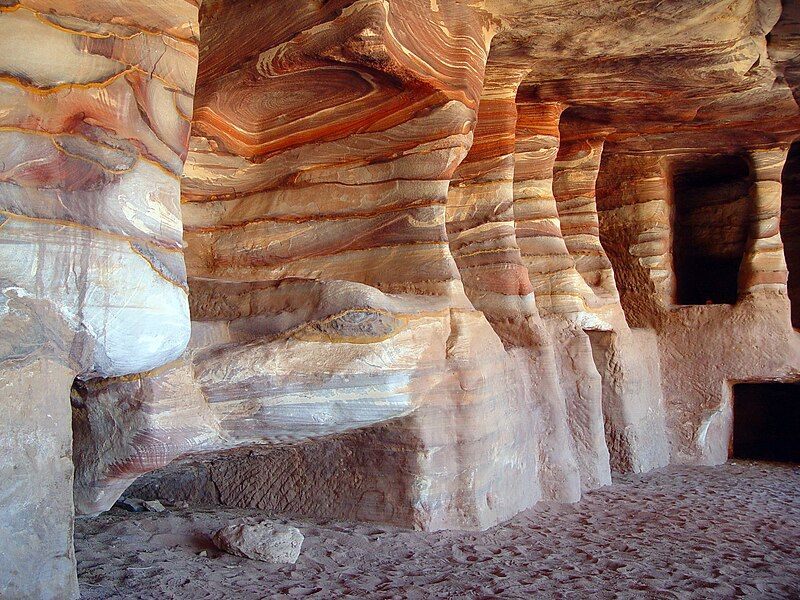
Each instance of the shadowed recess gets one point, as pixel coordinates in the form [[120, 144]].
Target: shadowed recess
[[766, 419], [710, 228]]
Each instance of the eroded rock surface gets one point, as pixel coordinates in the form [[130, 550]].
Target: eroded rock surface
[[265, 541], [443, 259], [472, 257], [95, 106]]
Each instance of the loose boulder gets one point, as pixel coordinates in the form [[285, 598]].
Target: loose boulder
[[265, 541]]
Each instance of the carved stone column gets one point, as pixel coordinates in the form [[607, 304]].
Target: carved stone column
[[764, 264]]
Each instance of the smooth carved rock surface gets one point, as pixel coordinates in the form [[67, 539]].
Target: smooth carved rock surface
[[437, 254]]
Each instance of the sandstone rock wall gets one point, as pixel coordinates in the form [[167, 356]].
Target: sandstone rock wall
[[435, 252], [509, 247], [705, 348], [95, 111]]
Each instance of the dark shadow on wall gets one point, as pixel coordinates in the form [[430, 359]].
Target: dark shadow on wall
[[710, 216], [790, 227], [602, 344], [362, 475], [766, 421]]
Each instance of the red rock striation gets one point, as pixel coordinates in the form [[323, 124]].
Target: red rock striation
[[444, 258], [95, 113]]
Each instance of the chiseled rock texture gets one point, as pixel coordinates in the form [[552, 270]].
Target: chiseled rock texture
[[444, 259]]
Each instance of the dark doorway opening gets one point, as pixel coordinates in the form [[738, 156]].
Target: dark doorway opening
[[790, 227], [710, 226], [766, 421]]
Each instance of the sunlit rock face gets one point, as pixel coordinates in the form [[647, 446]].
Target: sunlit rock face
[[434, 254], [443, 259], [95, 109], [324, 293]]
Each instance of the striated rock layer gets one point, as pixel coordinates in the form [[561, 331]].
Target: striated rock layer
[[443, 259], [95, 110]]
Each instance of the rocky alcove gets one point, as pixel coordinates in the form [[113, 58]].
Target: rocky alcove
[[766, 417], [712, 214]]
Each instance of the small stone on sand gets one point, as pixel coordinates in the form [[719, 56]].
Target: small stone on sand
[[265, 541], [154, 506]]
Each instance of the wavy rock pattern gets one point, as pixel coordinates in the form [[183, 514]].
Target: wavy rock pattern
[[95, 109], [434, 251]]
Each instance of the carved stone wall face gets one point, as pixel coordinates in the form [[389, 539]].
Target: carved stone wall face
[[435, 251], [95, 111], [324, 293], [704, 349]]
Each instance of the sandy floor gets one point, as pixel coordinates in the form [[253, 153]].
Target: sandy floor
[[725, 532]]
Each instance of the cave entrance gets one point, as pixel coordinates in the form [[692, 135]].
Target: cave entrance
[[790, 227], [710, 227], [766, 421]]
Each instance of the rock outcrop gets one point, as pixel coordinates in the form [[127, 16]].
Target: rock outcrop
[[95, 112], [443, 259]]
